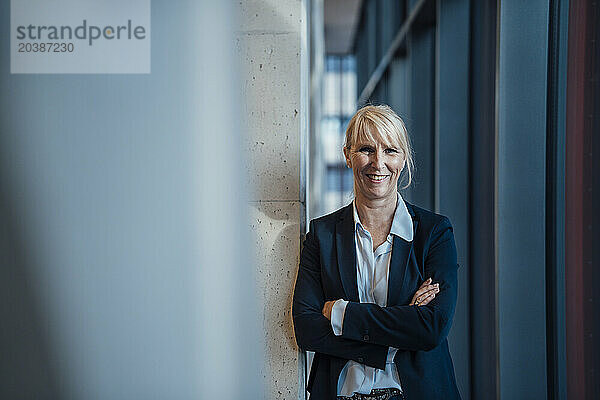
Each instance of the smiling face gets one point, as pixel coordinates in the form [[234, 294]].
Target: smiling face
[[377, 148], [377, 167]]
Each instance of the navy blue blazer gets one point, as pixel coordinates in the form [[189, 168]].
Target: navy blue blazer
[[327, 271]]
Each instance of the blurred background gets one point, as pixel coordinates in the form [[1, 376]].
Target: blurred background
[[152, 223], [501, 100]]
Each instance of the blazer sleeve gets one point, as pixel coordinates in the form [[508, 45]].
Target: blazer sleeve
[[412, 327], [313, 330]]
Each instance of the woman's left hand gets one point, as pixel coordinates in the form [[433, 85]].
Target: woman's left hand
[[425, 293], [327, 309]]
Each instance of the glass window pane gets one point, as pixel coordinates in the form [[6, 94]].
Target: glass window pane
[[331, 141]]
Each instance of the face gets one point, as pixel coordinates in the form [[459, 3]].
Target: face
[[376, 169]]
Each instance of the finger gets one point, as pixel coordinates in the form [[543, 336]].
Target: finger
[[427, 299], [426, 282], [425, 289], [430, 288], [418, 295], [423, 296]]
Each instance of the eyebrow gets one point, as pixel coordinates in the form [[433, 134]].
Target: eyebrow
[[389, 146]]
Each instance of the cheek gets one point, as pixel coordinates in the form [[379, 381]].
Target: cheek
[[397, 165], [359, 161]]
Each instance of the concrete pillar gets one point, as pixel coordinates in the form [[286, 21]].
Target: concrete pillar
[[270, 45]]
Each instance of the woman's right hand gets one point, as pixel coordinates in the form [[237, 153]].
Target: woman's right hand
[[425, 293]]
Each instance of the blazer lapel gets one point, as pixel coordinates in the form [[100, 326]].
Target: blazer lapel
[[401, 251], [346, 253]]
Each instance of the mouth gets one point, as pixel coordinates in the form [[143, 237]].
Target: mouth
[[377, 178]]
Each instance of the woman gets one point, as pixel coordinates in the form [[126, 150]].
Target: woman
[[376, 286]]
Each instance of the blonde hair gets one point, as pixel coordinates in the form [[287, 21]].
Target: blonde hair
[[380, 123]]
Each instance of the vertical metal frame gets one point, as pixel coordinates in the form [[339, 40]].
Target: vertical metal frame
[[304, 166], [482, 216], [555, 200]]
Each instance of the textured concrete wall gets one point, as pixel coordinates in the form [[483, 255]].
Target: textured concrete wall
[[269, 44]]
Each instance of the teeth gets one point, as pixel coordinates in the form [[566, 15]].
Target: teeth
[[377, 177]]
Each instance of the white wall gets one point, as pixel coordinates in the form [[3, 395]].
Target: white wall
[[270, 44]]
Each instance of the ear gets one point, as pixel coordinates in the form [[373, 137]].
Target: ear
[[347, 157]]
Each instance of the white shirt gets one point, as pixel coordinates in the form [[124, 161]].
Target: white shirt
[[372, 271]]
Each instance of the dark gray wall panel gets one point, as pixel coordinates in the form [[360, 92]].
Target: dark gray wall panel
[[422, 116], [452, 137], [521, 198]]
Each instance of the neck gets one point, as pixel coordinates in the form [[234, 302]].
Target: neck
[[376, 212]]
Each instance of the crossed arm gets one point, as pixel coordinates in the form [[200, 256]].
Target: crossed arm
[[313, 330], [422, 297], [369, 327]]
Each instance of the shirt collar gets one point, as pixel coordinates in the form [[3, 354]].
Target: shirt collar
[[402, 224]]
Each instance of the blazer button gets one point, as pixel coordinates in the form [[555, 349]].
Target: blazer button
[[360, 360], [366, 338]]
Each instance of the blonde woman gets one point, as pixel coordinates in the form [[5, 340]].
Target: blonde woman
[[377, 283]]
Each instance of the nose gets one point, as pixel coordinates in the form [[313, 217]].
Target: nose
[[377, 160]]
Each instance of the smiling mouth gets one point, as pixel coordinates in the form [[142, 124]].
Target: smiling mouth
[[377, 178]]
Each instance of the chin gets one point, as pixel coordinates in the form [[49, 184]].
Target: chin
[[380, 194]]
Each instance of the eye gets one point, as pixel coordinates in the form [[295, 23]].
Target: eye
[[366, 149], [391, 151]]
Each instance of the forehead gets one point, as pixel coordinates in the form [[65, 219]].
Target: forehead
[[370, 133]]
